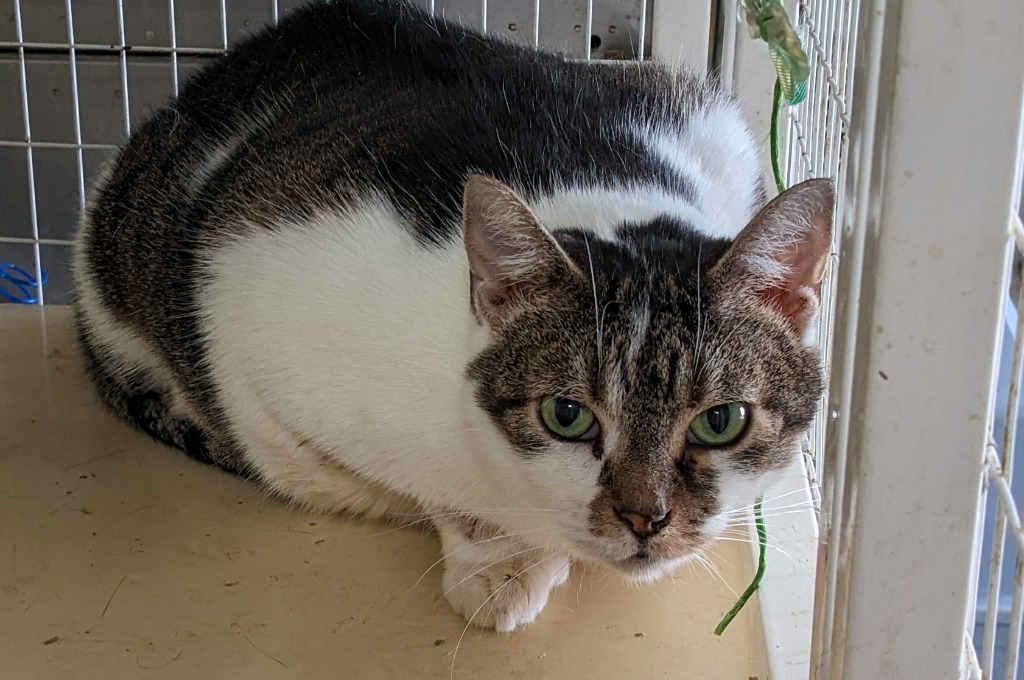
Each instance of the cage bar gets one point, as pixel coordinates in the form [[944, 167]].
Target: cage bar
[[589, 27], [224, 24], [98, 49], [30, 165], [79, 156], [642, 42], [173, 34], [536, 24], [124, 68]]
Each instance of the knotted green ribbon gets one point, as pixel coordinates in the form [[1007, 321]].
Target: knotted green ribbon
[[767, 20]]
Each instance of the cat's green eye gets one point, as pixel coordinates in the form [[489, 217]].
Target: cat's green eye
[[720, 425], [569, 419]]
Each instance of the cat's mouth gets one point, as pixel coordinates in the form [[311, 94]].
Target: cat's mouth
[[644, 566], [642, 562]]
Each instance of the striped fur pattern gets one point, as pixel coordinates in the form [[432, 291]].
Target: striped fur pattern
[[354, 256]]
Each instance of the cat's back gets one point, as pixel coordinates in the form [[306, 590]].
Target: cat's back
[[344, 98], [351, 104], [314, 176]]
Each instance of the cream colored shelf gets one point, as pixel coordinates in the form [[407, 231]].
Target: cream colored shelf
[[120, 558]]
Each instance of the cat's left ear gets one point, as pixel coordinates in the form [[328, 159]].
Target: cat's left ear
[[513, 261], [780, 256]]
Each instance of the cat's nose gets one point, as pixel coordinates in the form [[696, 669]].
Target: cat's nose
[[644, 524]]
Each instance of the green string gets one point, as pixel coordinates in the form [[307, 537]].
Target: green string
[[768, 20], [773, 137], [762, 540]]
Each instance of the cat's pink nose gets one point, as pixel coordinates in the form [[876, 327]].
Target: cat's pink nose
[[644, 524]]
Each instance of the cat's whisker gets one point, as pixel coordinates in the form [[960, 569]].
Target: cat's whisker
[[491, 564], [745, 515], [769, 546], [519, 572], [710, 552], [713, 571], [597, 315], [716, 349], [579, 586], [795, 510], [463, 548], [698, 339], [476, 513], [767, 501]]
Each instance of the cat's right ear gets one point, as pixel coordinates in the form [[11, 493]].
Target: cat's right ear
[[780, 257], [513, 261]]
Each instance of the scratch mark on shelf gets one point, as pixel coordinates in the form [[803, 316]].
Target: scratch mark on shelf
[[94, 459], [292, 531], [32, 603], [116, 588], [165, 664], [269, 656]]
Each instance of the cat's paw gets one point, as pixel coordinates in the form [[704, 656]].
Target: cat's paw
[[506, 594]]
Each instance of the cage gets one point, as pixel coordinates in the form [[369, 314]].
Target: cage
[[900, 530]]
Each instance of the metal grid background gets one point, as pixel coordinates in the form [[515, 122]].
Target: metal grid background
[[84, 72], [818, 129]]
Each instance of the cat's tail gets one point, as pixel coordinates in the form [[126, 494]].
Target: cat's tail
[[144, 408]]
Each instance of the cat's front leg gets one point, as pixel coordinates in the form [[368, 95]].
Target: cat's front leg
[[492, 579]]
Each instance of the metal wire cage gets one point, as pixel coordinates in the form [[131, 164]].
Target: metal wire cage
[[818, 136], [84, 73]]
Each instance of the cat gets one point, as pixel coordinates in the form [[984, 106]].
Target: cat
[[384, 265]]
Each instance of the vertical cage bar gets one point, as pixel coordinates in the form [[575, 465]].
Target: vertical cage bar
[[1006, 468], [274, 11], [172, 18], [224, 25], [124, 68], [483, 16], [30, 164], [1016, 615], [75, 103], [643, 31], [536, 24], [589, 26]]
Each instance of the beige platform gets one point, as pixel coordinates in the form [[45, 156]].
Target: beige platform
[[120, 558]]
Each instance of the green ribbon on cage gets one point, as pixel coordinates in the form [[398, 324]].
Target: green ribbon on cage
[[767, 20]]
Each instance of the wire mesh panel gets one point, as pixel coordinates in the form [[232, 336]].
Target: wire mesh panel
[[84, 73], [818, 129]]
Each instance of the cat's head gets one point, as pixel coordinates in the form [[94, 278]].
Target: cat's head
[[651, 384]]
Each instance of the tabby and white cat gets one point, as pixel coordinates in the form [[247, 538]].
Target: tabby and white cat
[[385, 265]]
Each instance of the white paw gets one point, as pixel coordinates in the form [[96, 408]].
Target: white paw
[[506, 594]]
